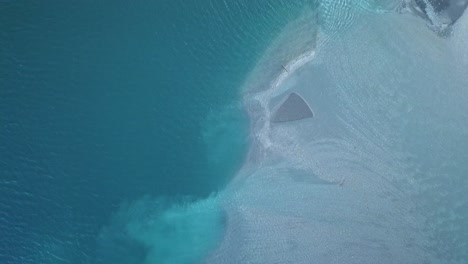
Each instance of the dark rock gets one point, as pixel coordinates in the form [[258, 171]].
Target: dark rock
[[446, 11], [293, 108]]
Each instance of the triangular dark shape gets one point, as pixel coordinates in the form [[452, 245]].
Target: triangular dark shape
[[293, 108]]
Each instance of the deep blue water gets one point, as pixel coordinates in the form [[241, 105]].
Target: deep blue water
[[114, 111]]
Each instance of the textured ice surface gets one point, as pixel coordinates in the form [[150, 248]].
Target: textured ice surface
[[380, 175]]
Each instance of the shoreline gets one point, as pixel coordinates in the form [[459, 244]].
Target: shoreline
[[294, 47], [260, 130], [256, 106], [354, 165]]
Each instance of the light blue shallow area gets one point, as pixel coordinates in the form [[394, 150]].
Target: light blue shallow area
[[378, 174]]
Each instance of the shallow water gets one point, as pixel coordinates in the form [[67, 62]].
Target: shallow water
[[142, 133], [378, 175]]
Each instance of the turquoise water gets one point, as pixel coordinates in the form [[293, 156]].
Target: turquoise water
[[119, 123], [139, 132]]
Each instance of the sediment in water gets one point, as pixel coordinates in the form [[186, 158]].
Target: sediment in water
[[353, 184]]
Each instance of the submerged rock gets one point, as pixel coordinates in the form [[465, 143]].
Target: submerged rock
[[440, 13]]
